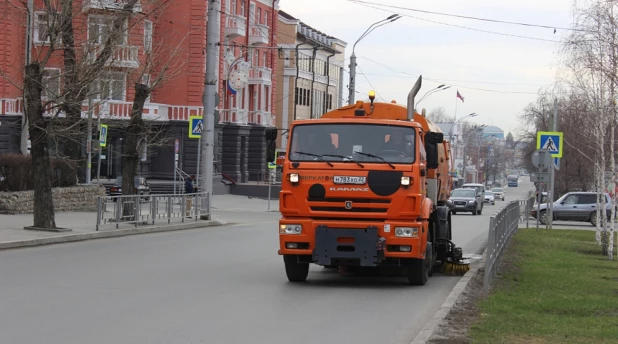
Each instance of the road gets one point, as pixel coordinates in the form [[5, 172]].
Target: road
[[221, 285]]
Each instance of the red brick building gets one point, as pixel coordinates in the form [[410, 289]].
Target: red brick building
[[176, 33]]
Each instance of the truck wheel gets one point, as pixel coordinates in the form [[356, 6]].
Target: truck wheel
[[418, 272], [296, 272]]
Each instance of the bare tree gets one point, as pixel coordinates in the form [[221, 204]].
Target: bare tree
[[438, 115], [162, 62]]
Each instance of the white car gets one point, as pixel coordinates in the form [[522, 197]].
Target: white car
[[489, 198], [498, 193]]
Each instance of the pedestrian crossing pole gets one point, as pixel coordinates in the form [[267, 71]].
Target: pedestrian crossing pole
[[552, 168], [210, 90]]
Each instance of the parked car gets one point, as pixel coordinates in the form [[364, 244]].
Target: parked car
[[489, 197], [141, 188], [498, 193], [573, 206], [465, 200]]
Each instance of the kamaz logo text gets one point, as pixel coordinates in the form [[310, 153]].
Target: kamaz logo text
[[349, 189]]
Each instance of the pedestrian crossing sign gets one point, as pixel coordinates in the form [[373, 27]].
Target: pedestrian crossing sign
[[196, 126], [550, 140]]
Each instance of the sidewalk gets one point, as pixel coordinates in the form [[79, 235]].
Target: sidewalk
[[226, 209]]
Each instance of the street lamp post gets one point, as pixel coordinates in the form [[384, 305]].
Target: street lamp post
[[352, 86], [430, 92], [450, 132]]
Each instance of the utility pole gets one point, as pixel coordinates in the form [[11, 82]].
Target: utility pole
[[552, 170], [89, 143], [210, 89], [352, 86], [25, 133]]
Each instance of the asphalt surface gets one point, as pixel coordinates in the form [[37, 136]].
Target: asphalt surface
[[220, 285]]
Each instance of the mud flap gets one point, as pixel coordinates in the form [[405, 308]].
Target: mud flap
[[357, 245], [442, 225]]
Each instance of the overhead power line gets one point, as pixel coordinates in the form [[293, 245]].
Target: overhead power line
[[467, 17], [457, 26]]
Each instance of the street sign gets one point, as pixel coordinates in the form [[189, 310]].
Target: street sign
[[103, 135], [541, 158], [537, 177], [177, 146], [550, 140], [196, 126]]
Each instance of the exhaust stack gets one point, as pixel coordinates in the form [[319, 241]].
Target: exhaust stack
[[412, 95]]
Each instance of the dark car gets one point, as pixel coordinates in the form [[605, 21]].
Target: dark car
[[141, 188], [464, 200]]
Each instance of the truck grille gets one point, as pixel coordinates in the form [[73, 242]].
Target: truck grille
[[359, 205]]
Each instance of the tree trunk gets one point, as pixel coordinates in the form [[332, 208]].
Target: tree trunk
[[133, 138], [43, 202], [74, 93]]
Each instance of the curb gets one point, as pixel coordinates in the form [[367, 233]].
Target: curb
[[432, 326], [107, 234]]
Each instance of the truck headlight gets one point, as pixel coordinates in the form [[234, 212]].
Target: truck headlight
[[406, 232], [294, 178], [290, 229], [405, 181]]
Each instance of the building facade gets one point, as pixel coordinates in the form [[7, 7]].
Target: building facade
[[173, 38], [310, 74]]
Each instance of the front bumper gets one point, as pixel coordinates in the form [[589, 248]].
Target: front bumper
[[463, 207], [351, 243]]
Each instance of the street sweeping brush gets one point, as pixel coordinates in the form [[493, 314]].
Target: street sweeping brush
[[453, 263]]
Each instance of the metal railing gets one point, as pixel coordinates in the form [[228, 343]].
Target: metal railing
[[151, 209], [502, 225]]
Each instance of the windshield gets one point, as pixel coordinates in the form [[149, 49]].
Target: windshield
[[478, 188], [489, 193], [463, 193], [496, 190], [358, 142]]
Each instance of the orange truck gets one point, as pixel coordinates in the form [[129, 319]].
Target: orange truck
[[366, 185]]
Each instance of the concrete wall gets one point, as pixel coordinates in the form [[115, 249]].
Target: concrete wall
[[75, 198]]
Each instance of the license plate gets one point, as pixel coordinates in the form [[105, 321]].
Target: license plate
[[349, 180]]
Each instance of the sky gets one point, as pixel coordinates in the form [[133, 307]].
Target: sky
[[498, 75]]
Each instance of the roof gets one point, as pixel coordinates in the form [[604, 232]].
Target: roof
[[306, 28]]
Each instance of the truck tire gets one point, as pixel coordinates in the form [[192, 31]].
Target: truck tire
[[296, 272], [418, 272]]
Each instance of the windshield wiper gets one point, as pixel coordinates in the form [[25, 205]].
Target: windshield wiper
[[315, 155], [345, 157], [377, 157]]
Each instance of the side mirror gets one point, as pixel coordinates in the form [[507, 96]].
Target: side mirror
[[432, 137]]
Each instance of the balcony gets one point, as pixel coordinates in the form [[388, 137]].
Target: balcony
[[258, 34], [236, 116], [113, 5], [262, 118], [123, 56], [235, 26], [260, 76]]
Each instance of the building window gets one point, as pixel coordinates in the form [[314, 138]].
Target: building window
[[258, 17], [42, 24], [266, 59], [51, 83], [147, 35], [266, 18], [233, 7], [242, 8], [146, 81], [110, 85], [100, 28]]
